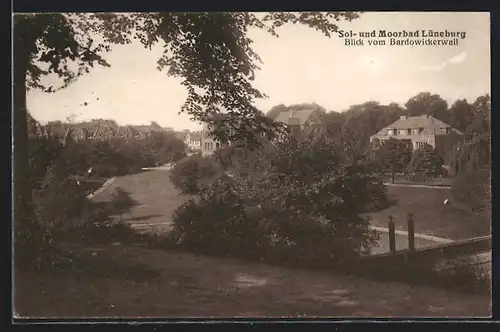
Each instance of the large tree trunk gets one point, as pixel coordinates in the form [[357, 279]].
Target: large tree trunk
[[24, 223]]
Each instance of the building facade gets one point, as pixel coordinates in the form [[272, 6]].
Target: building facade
[[193, 141], [208, 144], [420, 130], [302, 122]]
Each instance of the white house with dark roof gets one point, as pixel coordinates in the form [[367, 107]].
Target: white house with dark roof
[[193, 141], [424, 129]]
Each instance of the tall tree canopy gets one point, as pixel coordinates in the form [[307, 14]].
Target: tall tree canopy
[[427, 103], [481, 122], [426, 160], [393, 155], [211, 52]]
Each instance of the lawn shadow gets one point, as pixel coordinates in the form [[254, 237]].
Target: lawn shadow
[[113, 208]]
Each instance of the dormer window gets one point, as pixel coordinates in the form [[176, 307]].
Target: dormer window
[[390, 132]]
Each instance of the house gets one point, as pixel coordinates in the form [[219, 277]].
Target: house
[[193, 141], [302, 122], [420, 130], [208, 144]]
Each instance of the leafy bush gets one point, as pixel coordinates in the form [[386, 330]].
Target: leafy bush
[[187, 173], [473, 188], [392, 155], [426, 160], [294, 200]]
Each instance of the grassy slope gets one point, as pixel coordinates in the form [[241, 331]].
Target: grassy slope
[[432, 216], [136, 282], [155, 193]]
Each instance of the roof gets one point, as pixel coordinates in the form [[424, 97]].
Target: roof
[[180, 135], [429, 124], [196, 136], [294, 117], [140, 128]]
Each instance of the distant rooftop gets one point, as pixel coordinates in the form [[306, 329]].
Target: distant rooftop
[[429, 124]]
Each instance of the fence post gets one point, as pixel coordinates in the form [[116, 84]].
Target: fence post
[[411, 232], [392, 236]]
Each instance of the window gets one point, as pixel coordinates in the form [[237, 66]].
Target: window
[[408, 131], [217, 145], [390, 132], [420, 130], [211, 145]]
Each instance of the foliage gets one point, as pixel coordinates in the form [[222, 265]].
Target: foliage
[[471, 155], [364, 120], [224, 82], [64, 45], [473, 188], [461, 114], [289, 200], [187, 173], [481, 122], [428, 103], [426, 160], [393, 155], [43, 153]]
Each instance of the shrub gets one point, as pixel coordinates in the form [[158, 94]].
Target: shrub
[[426, 161], [473, 188], [295, 200], [187, 173]]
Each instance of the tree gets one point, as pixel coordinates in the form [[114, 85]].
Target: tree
[[426, 160], [211, 52], [298, 198], [430, 104], [187, 173], [364, 120], [471, 155], [393, 155], [461, 114], [334, 122], [481, 122]]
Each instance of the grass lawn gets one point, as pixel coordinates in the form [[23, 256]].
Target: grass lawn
[[155, 193], [432, 216], [119, 281]]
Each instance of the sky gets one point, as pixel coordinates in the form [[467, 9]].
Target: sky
[[301, 66]]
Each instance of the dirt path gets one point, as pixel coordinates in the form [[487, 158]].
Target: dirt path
[[152, 283]]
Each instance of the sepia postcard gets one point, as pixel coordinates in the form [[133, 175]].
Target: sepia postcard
[[251, 165]]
